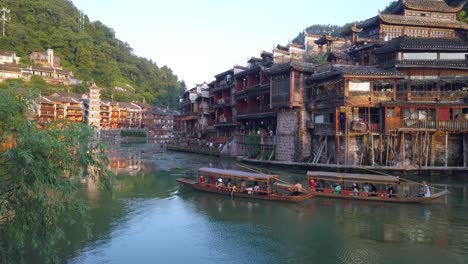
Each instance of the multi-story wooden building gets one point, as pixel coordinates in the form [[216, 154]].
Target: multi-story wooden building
[[59, 107], [223, 103], [252, 97], [415, 18]]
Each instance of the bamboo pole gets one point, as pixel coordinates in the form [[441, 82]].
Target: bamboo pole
[[403, 179]]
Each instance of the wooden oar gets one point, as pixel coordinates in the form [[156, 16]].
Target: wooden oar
[[410, 181], [254, 170]]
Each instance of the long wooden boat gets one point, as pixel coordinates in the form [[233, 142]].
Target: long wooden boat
[[347, 179], [208, 177]]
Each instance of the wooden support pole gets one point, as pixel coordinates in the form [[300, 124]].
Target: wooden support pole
[[403, 147], [372, 146], [465, 150], [446, 149], [433, 154], [347, 136]]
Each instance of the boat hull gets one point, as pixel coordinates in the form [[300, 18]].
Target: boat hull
[[385, 199], [267, 197]]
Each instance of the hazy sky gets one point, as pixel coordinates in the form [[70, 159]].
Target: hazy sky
[[199, 39]]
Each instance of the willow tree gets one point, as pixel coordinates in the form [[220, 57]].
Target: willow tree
[[39, 177]]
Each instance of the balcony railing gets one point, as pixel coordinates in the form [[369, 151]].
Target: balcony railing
[[253, 111], [452, 125]]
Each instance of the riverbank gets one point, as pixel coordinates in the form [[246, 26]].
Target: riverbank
[[450, 171], [194, 150]]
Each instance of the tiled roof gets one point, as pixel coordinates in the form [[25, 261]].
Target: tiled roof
[[325, 39], [432, 5], [6, 53], [366, 70], [355, 70], [453, 64], [223, 74], [423, 21], [10, 67], [340, 55], [423, 44]]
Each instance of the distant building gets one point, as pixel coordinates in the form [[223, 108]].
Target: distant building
[[8, 57], [46, 59]]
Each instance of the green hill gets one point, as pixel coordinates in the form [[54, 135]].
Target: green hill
[[91, 52]]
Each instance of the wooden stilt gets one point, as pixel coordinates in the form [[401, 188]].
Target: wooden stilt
[[388, 149], [465, 150], [403, 147], [433, 154], [372, 146], [381, 148], [446, 149]]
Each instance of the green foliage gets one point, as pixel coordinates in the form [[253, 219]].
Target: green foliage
[[39, 179], [319, 30], [133, 133], [93, 55]]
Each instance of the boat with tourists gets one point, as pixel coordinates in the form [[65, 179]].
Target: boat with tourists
[[244, 185], [368, 187]]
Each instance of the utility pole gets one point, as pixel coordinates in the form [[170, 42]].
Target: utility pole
[[4, 11]]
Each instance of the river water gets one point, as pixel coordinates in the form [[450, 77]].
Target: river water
[[151, 219]]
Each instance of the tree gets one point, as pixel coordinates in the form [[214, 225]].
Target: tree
[[39, 178]]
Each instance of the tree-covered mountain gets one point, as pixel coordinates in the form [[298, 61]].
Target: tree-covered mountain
[[89, 49]]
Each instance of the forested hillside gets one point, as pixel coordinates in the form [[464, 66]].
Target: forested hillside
[[91, 51], [335, 30]]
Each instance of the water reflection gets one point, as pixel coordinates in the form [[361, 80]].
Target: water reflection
[[152, 219]]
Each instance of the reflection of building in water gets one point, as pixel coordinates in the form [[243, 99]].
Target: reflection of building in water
[[132, 163]]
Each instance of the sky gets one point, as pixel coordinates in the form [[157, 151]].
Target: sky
[[199, 39]]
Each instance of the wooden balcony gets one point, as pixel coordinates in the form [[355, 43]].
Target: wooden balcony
[[409, 124], [253, 113]]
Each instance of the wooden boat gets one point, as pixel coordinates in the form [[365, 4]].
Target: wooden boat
[[348, 179], [207, 179]]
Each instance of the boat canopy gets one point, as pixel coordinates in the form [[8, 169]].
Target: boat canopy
[[352, 177], [237, 174]]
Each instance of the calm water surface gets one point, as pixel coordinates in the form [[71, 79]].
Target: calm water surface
[[151, 219]]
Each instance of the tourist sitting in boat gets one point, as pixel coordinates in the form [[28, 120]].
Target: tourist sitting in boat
[[366, 187], [320, 185], [297, 189], [373, 189], [242, 186], [338, 188], [256, 187], [229, 184], [220, 184], [355, 188], [425, 190], [312, 185], [391, 191], [202, 180]]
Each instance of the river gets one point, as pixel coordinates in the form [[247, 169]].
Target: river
[[151, 219]]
